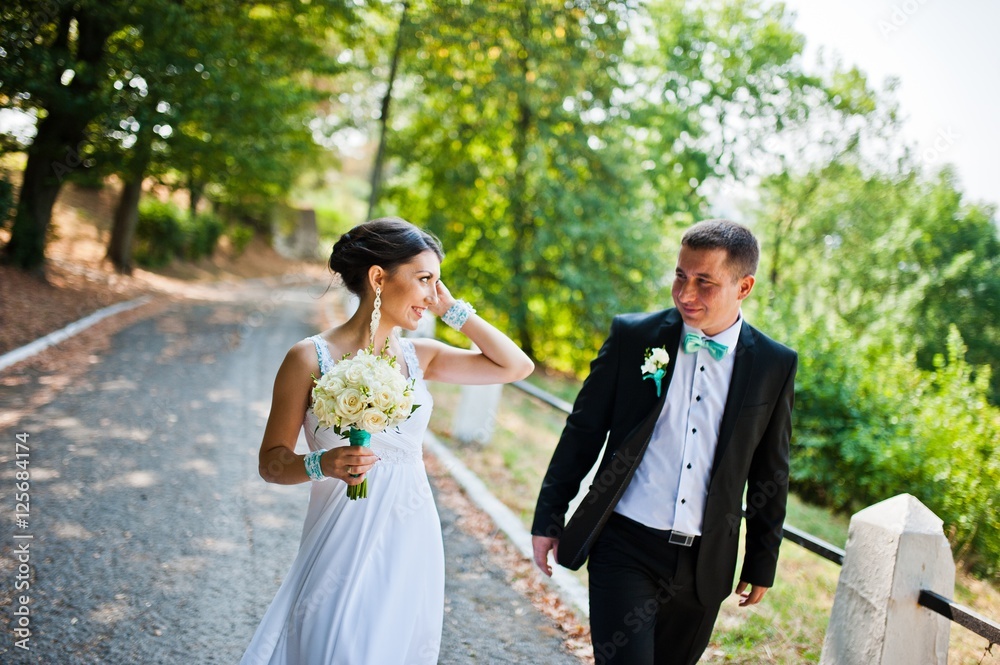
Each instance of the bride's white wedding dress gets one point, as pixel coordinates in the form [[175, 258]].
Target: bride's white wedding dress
[[367, 584]]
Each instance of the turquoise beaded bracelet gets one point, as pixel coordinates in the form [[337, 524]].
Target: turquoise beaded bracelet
[[313, 469], [458, 314]]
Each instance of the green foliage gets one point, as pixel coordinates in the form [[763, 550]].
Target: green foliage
[[887, 284], [165, 232], [714, 80], [159, 233], [201, 234], [890, 255], [509, 155], [213, 97], [556, 154], [870, 425], [240, 236], [225, 110]]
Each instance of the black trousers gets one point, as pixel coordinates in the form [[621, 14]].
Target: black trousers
[[643, 606]]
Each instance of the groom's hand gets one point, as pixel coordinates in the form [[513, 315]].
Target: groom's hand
[[541, 546], [752, 598]]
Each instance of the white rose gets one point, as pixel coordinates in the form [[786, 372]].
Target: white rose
[[649, 367], [403, 409], [660, 356], [349, 404], [373, 377], [325, 409], [355, 374], [338, 372], [374, 421], [383, 398]]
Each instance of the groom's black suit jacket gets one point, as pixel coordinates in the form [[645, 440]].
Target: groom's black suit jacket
[[616, 404]]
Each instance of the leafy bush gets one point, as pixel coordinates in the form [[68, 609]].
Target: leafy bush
[[159, 233], [165, 232], [869, 425], [202, 232], [240, 236]]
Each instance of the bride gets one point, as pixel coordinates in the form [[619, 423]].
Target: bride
[[367, 584]]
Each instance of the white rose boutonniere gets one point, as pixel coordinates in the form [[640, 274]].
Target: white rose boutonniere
[[655, 366]]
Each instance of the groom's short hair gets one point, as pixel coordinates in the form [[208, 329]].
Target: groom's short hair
[[740, 244]]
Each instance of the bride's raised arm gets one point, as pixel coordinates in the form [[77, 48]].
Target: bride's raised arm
[[497, 360]]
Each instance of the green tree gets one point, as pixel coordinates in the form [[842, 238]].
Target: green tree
[[885, 280], [225, 111], [554, 151], [213, 96], [53, 65], [509, 148], [886, 255]]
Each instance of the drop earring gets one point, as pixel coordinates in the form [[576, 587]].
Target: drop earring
[[376, 314]]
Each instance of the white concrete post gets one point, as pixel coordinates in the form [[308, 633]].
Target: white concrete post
[[894, 549], [477, 413]]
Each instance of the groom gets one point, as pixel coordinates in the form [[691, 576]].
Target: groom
[[661, 521]]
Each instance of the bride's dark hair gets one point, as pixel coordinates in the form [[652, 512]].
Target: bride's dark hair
[[387, 242]]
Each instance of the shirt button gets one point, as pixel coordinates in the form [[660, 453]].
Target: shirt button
[[694, 430], [683, 500], [689, 466], [698, 398], [702, 368]]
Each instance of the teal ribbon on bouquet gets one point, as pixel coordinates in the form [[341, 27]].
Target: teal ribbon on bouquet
[[657, 378], [358, 437]]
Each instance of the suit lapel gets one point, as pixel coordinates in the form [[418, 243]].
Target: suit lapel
[[738, 386], [669, 337], [642, 392]]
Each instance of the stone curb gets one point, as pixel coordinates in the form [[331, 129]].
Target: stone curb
[[53, 338]]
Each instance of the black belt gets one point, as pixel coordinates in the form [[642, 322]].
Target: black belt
[[678, 538]]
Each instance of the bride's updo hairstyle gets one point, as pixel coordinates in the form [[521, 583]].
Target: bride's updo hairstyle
[[387, 242]]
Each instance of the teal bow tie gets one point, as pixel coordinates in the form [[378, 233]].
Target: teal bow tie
[[694, 342]]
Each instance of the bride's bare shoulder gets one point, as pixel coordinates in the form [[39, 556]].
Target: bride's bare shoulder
[[302, 356]]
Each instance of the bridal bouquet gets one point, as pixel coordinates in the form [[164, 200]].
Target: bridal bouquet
[[362, 396]]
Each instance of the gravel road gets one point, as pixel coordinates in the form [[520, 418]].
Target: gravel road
[[153, 539]]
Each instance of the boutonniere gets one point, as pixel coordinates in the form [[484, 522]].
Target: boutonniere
[[655, 366]]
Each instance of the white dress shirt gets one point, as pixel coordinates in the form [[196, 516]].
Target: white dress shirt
[[670, 485]]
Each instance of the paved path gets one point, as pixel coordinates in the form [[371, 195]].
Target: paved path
[[155, 541]]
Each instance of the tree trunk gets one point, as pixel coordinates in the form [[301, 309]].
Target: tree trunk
[[194, 194], [522, 225], [123, 232], [55, 150], [39, 190], [127, 211], [384, 114]]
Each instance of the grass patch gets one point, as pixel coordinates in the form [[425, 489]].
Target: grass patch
[[787, 627]]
